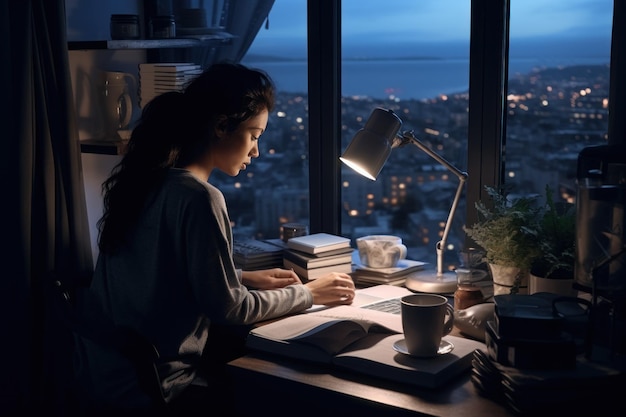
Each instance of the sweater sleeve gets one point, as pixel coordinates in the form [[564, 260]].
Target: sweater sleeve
[[215, 281]]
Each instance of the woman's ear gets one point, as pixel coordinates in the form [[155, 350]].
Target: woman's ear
[[220, 125]]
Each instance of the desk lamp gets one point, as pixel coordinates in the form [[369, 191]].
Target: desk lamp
[[367, 153]]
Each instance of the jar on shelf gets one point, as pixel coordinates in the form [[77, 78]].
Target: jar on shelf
[[162, 27], [124, 26]]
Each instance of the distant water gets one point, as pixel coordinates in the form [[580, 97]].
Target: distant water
[[406, 79]]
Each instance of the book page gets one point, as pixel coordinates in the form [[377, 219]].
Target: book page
[[330, 335], [372, 320], [329, 330]]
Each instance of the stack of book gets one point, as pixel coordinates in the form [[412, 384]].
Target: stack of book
[[252, 254], [366, 276], [588, 389], [528, 333], [315, 255], [156, 79], [532, 362]]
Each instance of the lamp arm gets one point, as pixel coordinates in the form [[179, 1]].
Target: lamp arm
[[408, 137]]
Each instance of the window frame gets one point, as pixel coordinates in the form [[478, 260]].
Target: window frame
[[489, 56]]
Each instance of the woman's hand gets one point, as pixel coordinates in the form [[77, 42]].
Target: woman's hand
[[268, 279], [332, 289]]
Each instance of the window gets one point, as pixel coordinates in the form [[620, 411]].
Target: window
[[274, 189], [413, 58], [558, 91], [485, 114]]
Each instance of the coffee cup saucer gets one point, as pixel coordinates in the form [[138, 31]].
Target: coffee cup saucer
[[444, 348]]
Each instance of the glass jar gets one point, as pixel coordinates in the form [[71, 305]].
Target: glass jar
[[124, 26], [467, 294], [162, 27]]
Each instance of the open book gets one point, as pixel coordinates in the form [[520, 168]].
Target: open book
[[360, 340]]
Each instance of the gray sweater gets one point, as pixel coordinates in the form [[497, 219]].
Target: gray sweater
[[170, 282]]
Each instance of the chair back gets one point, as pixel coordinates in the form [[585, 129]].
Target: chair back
[[101, 330]]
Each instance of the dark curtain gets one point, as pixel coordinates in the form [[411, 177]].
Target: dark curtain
[[243, 19], [45, 215]]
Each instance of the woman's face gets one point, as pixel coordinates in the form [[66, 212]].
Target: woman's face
[[234, 150]]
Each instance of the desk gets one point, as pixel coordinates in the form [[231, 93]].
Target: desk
[[271, 385], [274, 385]]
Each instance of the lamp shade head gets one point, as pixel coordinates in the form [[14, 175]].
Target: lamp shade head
[[371, 146]]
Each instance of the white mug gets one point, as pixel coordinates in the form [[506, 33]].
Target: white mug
[[380, 251], [116, 103]]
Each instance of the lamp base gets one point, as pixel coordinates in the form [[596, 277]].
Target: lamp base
[[428, 281]]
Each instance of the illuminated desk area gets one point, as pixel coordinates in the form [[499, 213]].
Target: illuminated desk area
[[269, 384]]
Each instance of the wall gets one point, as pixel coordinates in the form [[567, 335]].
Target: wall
[[89, 20]]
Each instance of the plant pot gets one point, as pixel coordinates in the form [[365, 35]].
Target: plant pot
[[504, 279], [560, 286]]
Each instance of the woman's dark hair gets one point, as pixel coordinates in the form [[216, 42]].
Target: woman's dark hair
[[175, 129]]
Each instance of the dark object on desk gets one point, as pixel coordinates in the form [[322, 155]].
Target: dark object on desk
[[526, 317], [554, 353], [537, 331], [291, 230], [587, 389]]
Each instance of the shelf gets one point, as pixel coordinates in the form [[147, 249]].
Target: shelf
[[103, 146], [213, 39]]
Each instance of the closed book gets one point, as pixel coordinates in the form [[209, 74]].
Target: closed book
[[333, 252], [309, 274], [531, 354], [524, 316], [366, 282], [309, 261], [318, 243]]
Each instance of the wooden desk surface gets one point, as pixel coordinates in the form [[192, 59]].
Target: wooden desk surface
[[271, 385]]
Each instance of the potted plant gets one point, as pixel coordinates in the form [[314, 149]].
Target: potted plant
[[553, 270], [506, 230]]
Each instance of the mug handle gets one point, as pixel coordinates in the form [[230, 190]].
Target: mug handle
[[402, 249], [447, 325], [124, 103]]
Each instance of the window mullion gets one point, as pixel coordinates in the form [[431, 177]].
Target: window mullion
[[489, 44]]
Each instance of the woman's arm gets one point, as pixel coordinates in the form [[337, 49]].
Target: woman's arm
[[269, 279]]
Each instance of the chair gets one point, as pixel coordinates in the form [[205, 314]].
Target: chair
[[127, 341]]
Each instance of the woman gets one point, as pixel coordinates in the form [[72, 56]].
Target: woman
[[165, 265]]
